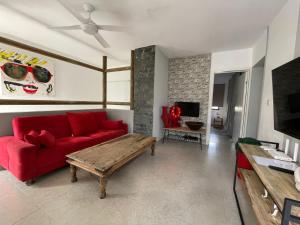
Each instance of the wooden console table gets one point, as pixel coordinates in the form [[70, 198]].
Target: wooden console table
[[279, 186], [184, 130]]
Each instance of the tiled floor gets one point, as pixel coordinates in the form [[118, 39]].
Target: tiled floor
[[180, 185]]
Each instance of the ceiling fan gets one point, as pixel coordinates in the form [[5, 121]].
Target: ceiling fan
[[87, 24]]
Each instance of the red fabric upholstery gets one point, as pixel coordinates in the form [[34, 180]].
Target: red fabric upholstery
[[243, 162], [82, 123], [32, 138], [46, 139], [3, 151], [26, 161], [22, 159], [105, 135], [68, 145], [111, 124], [58, 125], [100, 116]]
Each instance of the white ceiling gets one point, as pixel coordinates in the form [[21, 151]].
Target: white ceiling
[[180, 28]]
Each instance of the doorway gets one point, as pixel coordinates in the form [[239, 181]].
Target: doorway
[[236, 103], [228, 105]]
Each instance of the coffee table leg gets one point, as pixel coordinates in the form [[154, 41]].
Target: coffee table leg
[[153, 149], [102, 183], [73, 173]]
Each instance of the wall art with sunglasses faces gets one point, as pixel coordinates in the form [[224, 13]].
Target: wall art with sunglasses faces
[[25, 75]]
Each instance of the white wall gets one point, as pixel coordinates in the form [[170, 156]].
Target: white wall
[[120, 114], [240, 59], [160, 91], [281, 49], [238, 99], [255, 92], [227, 61], [260, 48]]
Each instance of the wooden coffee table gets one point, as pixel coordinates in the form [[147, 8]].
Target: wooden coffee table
[[103, 159]]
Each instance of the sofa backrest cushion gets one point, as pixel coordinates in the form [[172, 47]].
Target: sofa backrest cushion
[[100, 117], [112, 124], [58, 125], [82, 123]]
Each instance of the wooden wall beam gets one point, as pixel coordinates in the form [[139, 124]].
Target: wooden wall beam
[[46, 102], [104, 82], [118, 103], [132, 80], [125, 68], [46, 53]]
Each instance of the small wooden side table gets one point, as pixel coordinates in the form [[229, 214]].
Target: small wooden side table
[[184, 130]]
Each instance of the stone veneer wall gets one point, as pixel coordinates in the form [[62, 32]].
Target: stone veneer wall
[[144, 90], [189, 81]]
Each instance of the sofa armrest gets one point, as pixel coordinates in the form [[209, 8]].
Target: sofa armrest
[[22, 159]]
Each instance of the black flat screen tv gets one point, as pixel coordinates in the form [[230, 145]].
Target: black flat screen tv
[[286, 98], [190, 109]]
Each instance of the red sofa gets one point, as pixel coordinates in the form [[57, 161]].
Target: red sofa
[[71, 132]]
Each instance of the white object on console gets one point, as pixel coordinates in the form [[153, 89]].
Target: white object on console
[[296, 152], [297, 178], [287, 143]]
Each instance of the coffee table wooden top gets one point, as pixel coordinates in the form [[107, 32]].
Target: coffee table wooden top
[[104, 156]]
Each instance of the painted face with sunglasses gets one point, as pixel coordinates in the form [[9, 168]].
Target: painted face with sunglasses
[[20, 78]]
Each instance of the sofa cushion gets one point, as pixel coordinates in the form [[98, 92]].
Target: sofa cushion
[[58, 125], [112, 124], [68, 145], [82, 123], [105, 135], [32, 138], [100, 117], [46, 139]]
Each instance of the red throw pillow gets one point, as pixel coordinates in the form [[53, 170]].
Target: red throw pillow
[[112, 124], [82, 123], [100, 117], [32, 137], [46, 139]]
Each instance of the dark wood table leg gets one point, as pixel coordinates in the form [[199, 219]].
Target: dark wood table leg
[[153, 149], [200, 140], [102, 183], [73, 173]]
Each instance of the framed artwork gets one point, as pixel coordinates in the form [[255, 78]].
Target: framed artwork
[[25, 75]]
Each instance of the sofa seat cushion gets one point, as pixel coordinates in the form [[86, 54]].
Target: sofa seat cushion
[[68, 145], [82, 123], [112, 124], [48, 156], [105, 135]]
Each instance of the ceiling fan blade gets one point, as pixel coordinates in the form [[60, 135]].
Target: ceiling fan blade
[[75, 27], [72, 11], [111, 28], [101, 40]]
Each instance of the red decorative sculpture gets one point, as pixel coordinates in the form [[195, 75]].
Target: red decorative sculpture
[[171, 118], [165, 116]]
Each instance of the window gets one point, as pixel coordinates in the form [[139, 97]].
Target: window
[[118, 86]]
